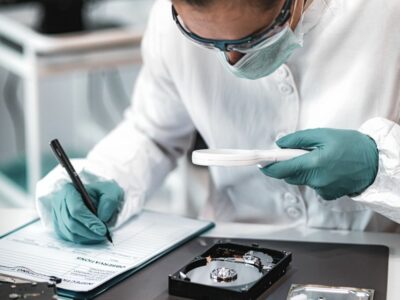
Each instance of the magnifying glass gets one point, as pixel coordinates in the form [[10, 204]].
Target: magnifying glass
[[237, 158]]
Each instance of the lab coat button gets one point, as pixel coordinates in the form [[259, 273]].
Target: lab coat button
[[293, 212], [286, 89], [282, 73], [290, 199]]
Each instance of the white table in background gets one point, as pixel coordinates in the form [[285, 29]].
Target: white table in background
[[33, 56]]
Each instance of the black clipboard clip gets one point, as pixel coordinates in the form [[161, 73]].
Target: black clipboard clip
[[24, 270]]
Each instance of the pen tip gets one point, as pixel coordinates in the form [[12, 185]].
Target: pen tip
[[110, 239], [108, 236]]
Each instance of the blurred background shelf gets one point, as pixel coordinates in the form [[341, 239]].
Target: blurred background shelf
[[71, 81]]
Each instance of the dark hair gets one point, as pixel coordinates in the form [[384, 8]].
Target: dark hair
[[266, 4]]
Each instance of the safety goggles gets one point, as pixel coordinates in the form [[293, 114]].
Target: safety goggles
[[245, 44]]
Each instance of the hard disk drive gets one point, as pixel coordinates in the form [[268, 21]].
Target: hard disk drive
[[230, 271]]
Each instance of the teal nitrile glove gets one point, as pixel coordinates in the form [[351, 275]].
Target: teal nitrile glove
[[342, 162], [74, 222]]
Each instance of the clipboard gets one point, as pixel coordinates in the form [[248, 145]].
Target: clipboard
[[146, 224]]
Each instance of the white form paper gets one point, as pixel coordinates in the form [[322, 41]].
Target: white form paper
[[34, 254]]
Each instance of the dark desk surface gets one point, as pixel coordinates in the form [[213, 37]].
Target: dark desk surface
[[361, 266]]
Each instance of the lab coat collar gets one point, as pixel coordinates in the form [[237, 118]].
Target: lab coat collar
[[313, 14]]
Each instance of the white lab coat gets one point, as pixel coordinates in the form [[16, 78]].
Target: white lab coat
[[347, 75]]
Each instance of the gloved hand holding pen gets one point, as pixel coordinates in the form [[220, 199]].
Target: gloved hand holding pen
[[343, 162], [73, 221]]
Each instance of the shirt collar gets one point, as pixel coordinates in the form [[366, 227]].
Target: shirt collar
[[313, 14]]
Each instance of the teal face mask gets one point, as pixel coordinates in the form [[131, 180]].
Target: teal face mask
[[268, 56]]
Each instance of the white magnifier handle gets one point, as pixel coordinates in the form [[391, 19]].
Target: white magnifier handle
[[271, 156], [235, 157]]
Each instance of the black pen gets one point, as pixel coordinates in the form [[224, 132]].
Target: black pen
[[65, 162]]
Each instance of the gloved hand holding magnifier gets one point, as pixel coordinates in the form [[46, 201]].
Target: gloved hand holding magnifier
[[341, 163]]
